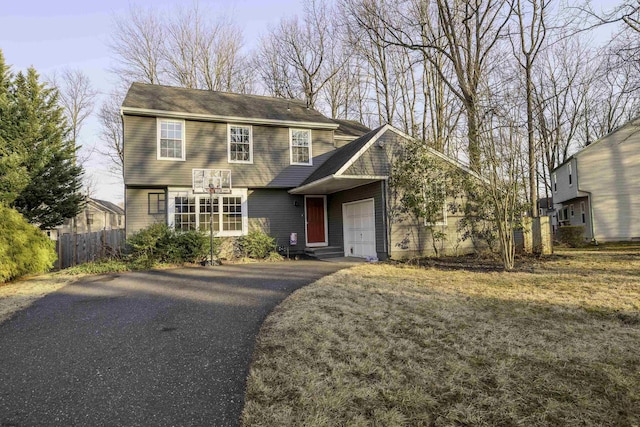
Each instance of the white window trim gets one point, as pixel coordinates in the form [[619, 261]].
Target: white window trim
[[555, 182], [159, 120], [571, 210], [310, 163], [229, 126], [583, 213], [188, 192], [570, 176]]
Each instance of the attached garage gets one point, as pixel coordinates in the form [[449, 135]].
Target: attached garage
[[359, 228]]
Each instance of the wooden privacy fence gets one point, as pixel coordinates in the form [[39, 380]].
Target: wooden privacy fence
[[74, 249]]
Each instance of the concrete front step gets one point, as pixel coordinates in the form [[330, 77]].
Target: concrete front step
[[325, 252]]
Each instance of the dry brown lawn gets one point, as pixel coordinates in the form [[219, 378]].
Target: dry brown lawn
[[390, 345]]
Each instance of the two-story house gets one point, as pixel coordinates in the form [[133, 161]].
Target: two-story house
[[599, 186], [293, 171]]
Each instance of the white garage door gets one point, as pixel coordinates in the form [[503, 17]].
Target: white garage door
[[359, 229]]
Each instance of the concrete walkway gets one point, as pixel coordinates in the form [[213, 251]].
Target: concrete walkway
[[161, 348]]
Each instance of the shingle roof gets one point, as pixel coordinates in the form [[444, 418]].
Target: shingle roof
[[340, 157], [350, 128], [223, 104], [109, 206]]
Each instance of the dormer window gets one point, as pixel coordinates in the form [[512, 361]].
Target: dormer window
[[240, 144], [300, 146], [171, 144]]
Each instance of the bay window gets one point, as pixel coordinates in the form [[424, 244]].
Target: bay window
[[188, 211]]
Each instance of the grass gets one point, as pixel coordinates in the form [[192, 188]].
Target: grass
[[392, 345]]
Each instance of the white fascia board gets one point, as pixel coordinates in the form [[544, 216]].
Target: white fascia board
[[227, 119], [311, 184]]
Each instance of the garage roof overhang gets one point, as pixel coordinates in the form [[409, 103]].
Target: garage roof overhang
[[335, 183]]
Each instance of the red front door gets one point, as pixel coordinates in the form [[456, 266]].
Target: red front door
[[315, 220]]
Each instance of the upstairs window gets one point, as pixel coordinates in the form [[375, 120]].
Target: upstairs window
[[570, 176], [300, 146], [555, 183], [240, 144], [171, 144]]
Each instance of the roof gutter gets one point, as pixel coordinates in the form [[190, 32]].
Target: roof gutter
[[228, 119]]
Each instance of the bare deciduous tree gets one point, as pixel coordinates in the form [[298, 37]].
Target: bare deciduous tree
[[77, 96], [303, 46], [137, 44], [111, 133], [531, 17]]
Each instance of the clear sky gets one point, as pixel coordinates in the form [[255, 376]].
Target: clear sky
[[51, 35]]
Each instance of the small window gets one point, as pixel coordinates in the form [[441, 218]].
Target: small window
[[555, 183], [171, 145], [570, 175], [89, 218], [240, 144], [300, 146], [157, 203], [571, 209], [583, 214], [439, 217]]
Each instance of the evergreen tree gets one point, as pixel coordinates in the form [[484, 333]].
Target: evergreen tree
[[38, 173], [14, 176]]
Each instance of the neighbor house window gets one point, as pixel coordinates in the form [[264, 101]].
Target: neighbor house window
[[89, 218], [300, 146], [240, 144], [571, 209], [555, 182], [171, 145], [583, 214], [157, 203], [228, 212], [570, 175]]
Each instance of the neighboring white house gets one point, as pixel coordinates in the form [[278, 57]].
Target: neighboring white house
[[599, 186]]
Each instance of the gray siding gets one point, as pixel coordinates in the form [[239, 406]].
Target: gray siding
[[410, 237], [278, 214], [137, 206], [206, 147], [334, 209], [377, 160]]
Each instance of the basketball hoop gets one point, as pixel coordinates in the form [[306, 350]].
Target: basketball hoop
[[212, 181]]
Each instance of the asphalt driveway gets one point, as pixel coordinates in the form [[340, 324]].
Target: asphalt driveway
[[166, 347]]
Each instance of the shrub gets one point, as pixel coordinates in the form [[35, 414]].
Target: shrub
[[24, 248], [572, 235], [257, 244], [147, 246], [159, 243]]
